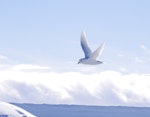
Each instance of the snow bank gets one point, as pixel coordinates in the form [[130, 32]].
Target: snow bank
[[9, 110]]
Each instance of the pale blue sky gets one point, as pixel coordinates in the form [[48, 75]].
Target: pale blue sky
[[48, 33]]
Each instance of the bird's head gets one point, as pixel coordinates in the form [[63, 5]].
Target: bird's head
[[99, 62], [80, 61]]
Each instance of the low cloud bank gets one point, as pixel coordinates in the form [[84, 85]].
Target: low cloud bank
[[104, 88]]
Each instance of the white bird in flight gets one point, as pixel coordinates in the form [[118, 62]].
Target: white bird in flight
[[90, 57]]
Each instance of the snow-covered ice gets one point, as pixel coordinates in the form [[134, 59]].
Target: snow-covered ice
[[9, 110]]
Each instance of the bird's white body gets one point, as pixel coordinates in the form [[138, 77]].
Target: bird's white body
[[90, 57], [90, 61]]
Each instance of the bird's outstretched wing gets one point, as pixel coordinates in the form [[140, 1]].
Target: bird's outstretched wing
[[85, 46], [98, 51]]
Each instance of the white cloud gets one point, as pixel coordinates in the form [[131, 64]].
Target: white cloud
[[148, 59], [2, 57], [104, 88], [145, 49], [139, 60], [4, 65], [121, 55], [29, 67], [123, 69]]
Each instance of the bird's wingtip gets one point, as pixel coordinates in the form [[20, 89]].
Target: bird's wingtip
[[83, 33], [103, 43]]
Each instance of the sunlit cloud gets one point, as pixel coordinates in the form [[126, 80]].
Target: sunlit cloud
[[103, 88]]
